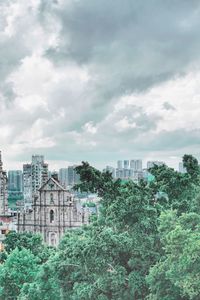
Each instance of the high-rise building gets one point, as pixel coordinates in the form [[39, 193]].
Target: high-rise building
[[70, 175], [126, 164], [126, 173], [27, 183], [151, 164], [136, 165], [15, 181], [63, 177], [3, 189], [39, 173], [119, 164], [34, 176], [129, 169], [73, 177]]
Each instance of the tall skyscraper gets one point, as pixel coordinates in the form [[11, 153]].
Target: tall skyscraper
[[68, 177], [27, 183], [126, 173], [63, 177], [119, 164], [15, 181], [3, 189], [73, 177], [126, 164], [136, 165], [130, 169], [120, 173], [39, 173], [34, 176]]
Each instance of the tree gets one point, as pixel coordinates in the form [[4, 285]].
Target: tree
[[181, 189], [27, 240], [94, 181], [192, 167], [93, 263], [176, 276], [138, 247], [20, 267], [129, 217], [44, 287]]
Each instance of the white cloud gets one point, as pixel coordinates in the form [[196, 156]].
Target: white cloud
[[90, 128], [124, 124], [182, 93], [102, 86]]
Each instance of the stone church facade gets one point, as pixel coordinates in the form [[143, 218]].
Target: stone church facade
[[53, 211]]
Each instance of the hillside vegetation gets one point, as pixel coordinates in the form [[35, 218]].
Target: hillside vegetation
[[144, 244]]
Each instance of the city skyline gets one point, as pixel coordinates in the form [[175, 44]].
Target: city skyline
[[102, 87], [65, 164]]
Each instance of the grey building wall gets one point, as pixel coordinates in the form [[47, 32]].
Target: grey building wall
[[53, 211]]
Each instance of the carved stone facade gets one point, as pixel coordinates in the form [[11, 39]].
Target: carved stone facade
[[54, 211]]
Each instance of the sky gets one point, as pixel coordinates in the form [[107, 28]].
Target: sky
[[99, 81]]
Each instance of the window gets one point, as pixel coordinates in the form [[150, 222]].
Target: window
[[51, 216], [51, 198]]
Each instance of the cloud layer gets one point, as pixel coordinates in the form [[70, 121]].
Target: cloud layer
[[99, 80]]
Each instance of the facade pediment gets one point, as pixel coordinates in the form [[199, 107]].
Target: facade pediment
[[52, 185]]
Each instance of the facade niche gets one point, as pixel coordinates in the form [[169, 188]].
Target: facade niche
[[51, 216]]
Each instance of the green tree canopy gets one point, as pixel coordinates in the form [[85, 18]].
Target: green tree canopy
[[177, 274], [20, 267]]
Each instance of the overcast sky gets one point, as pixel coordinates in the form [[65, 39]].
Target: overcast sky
[[99, 80]]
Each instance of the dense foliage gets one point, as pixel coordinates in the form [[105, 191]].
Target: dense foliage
[[144, 244]]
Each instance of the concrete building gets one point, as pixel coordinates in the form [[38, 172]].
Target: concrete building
[[27, 185], [73, 177], [15, 181], [126, 164], [136, 165], [6, 220], [63, 177], [3, 189], [6, 224], [35, 175], [54, 210], [130, 170], [120, 173], [119, 164], [39, 173]]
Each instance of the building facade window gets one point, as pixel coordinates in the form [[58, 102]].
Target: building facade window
[[51, 198], [51, 216]]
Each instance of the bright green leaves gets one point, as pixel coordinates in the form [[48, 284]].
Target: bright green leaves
[[20, 267], [177, 274]]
